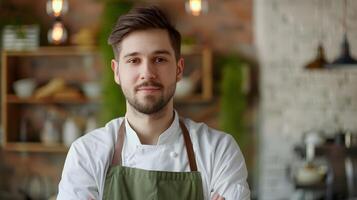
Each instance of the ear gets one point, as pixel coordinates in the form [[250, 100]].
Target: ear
[[179, 69], [115, 68]]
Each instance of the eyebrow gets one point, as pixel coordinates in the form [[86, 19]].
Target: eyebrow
[[131, 54], [155, 53], [162, 52]]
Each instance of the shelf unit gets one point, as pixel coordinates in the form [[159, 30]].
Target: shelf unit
[[198, 58], [69, 63], [13, 99], [35, 147]]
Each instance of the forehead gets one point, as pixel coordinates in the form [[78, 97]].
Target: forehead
[[146, 42]]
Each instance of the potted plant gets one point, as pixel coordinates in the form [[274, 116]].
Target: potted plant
[[233, 100]]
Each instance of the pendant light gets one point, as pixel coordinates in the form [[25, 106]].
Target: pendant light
[[56, 8], [345, 57], [196, 7], [57, 34], [320, 61]]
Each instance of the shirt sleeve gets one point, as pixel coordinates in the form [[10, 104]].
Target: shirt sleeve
[[77, 181], [230, 174]]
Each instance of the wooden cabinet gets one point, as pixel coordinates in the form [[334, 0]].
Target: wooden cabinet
[[23, 117]]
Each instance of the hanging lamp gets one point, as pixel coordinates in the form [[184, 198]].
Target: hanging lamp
[[196, 7], [56, 8], [57, 34], [320, 61], [345, 57]]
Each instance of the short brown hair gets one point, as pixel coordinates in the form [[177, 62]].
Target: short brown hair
[[142, 18]]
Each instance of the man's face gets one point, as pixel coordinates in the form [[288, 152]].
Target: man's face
[[147, 70]]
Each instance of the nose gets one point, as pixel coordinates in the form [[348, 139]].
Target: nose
[[148, 71]]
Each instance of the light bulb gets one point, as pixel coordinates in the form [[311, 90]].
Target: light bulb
[[196, 7], [56, 7], [57, 34]]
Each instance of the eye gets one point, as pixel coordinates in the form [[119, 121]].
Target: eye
[[133, 60], [160, 60]]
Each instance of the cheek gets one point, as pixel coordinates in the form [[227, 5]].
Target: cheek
[[127, 77], [169, 75]]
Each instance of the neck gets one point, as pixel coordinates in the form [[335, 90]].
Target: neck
[[149, 127]]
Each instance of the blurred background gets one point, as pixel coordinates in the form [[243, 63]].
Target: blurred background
[[279, 75]]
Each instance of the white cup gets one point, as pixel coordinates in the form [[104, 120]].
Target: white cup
[[184, 88], [91, 89], [24, 87]]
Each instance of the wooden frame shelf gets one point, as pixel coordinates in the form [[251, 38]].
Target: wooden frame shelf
[[13, 99], [55, 51], [27, 116], [35, 147], [192, 99], [197, 59]]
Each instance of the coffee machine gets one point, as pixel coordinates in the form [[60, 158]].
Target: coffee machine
[[338, 179]]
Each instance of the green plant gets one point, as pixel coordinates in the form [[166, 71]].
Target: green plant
[[113, 104], [233, 100]]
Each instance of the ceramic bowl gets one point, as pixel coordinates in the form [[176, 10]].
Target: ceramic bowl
[[310, 175], [184, 88], [24, 87], [91, 89]]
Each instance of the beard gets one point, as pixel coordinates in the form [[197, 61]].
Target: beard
[[151, 104]]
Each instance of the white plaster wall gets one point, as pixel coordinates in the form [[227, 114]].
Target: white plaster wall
[[294, 100]]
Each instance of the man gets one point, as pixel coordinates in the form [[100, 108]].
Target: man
[[151, 153]]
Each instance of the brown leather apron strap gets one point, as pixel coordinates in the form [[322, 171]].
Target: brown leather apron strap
[[189, 147], [119, 145], [117, 160]]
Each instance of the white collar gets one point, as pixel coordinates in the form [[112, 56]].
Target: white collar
[[169, 136]]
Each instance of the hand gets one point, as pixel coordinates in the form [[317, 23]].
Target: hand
[[216, 196]]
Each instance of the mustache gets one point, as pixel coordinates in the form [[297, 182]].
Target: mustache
[[149, 83]]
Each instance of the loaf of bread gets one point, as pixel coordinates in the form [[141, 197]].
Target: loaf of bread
[[52, 87]]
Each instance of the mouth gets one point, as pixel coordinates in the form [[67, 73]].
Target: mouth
[[149, 87]]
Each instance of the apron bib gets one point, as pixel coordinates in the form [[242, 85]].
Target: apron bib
[[125, 183]]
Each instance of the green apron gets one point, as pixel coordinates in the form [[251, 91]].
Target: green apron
[[125, 183]]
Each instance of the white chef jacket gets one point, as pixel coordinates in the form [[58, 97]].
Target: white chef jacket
[[218, 157]]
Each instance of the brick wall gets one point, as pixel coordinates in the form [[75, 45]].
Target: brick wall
[[294, 100]]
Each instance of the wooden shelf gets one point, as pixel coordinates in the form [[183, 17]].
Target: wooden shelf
[[35, 147], [13, 99], [191, 99], [70, 63], [55, 51]]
